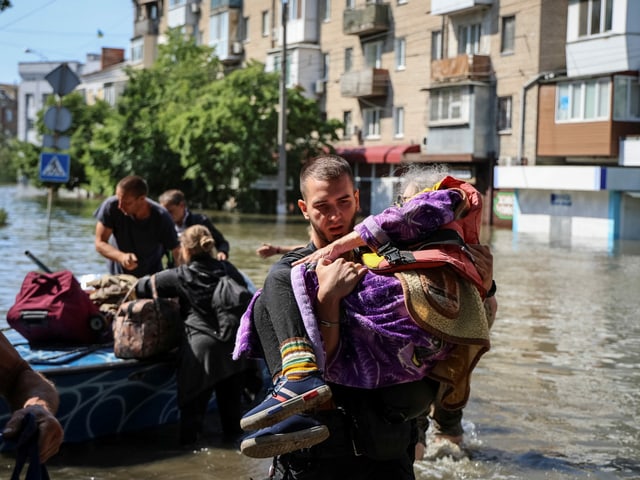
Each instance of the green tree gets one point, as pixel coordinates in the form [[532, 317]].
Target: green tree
[[136, 139], [187, 123], [231, 133]]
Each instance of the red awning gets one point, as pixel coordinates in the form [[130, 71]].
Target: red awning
[[377, 154]]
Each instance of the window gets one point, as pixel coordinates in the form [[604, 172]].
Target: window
[[436, 45], [595, 16], [448, 105], [582, 100], [110, 93], [508, 34], [398, 122], [325, 66], [371, 118], [265, 23], [219, 33], [401, 53], [373, 54], [176, 3], [243, 33], [350, 4], [326, 10], [137, 50], [348, 59], [277, 67], [504, 114], [403, 2], [469, 39], [626, 98], [347, 119], [294, 9]]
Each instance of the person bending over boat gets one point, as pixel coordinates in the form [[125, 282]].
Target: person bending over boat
[[133, 232], [28, 392], [204, 359]]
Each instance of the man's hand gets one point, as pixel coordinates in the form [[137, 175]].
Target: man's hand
[[337, 278], [50, 432], [129, 261]]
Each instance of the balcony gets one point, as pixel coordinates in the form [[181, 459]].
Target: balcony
[[371, 18], [220, 4], [147, 26], [462, 67], [371, 82], [449, 7]]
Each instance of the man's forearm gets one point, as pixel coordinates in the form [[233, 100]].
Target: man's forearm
[[31, 388]]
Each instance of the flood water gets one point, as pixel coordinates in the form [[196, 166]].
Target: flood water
[[555, 398]]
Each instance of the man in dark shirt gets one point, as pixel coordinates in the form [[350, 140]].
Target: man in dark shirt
[[175, 202], [369, 437], [133, 232]]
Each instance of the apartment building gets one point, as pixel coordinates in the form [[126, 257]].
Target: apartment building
[[585, 184], [501, 91]]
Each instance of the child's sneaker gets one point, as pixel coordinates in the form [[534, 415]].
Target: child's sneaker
[[287, 398], [294, 433]]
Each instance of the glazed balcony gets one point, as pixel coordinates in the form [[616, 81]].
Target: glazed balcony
[[221, 4], [452, 7], [147, 26], [461, 67], [372, 18], [370, 82]]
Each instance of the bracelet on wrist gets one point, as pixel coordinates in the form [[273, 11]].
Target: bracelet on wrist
[[328, 324], [492, 291]]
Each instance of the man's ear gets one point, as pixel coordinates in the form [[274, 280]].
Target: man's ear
[[356, 195], [302, 205]]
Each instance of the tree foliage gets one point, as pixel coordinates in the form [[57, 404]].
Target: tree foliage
[[187, 122]]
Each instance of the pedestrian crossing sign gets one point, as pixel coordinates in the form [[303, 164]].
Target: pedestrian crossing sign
[[54, 167]]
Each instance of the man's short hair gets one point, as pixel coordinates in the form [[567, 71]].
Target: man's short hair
[[133, 185], [171, 197], [324, 167]]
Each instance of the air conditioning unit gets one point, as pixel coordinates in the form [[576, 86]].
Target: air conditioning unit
[[319, 87], [236, 48]]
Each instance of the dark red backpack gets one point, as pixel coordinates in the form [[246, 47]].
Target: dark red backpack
[[52, 308]]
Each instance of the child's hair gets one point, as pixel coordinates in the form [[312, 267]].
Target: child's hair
[[422, 176], [197, 240]]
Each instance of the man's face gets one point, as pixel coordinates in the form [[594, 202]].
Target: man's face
[[330, 207], [176, 212], [130, 204]]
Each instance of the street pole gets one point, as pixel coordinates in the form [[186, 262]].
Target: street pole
[[281, 207]]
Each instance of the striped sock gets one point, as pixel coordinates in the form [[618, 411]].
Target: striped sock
[[298, 358]]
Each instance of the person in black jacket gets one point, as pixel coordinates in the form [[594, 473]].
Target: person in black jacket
[[175, 202], [204, 359]]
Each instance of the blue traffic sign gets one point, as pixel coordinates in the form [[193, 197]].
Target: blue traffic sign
[[54, 167]]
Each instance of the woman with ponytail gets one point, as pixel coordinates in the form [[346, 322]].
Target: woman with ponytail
[[204, 360]]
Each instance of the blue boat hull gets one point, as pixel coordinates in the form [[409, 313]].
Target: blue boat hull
[[101, 394]]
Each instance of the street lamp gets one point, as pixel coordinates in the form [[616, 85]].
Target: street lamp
[[281, 207], [35, 52]]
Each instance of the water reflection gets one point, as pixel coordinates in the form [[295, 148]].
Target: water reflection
[[555, 398]]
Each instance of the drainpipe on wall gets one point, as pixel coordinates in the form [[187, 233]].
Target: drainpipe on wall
[[523, 102]]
